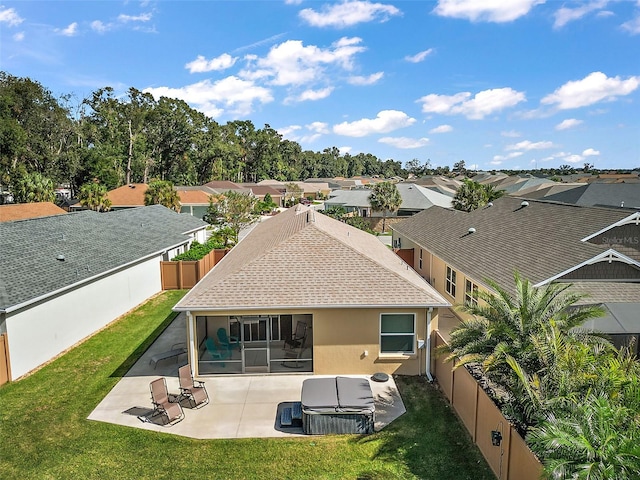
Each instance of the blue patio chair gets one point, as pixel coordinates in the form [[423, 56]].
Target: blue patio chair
[[215, 352], [225, 340]]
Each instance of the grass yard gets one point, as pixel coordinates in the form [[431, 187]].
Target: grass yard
[[44, 432]]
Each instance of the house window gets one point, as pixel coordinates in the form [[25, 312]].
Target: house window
[[397, 333], [420, 262], [450, 284], [470, 293]]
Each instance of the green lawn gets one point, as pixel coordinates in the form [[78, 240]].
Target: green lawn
[[44, 432]]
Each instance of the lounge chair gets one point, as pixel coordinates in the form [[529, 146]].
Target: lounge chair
[[225, 340], [192, 389], [216, 353], [171, 411]]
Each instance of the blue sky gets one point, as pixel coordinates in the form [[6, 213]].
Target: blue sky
[[496, 83]]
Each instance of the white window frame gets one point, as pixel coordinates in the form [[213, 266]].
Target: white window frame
[[470, 292], [413, 334], [450, 281]]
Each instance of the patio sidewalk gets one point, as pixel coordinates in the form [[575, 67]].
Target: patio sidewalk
[[243, 406]]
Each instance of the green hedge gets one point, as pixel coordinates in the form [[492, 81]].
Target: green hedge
[[199, 250]]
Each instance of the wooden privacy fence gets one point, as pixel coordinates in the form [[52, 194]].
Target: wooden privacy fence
[[4, 360], [186, 273], [511, 459]]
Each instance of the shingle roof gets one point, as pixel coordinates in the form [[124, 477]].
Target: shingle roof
[[131, 195], [301, 258], [414, 197], [611, 194], [540, 240], [20, 211], [92, 243]]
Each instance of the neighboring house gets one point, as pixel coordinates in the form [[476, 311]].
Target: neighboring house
[[414, 199], [625, 195], [195, 201], [66, 276], [303, 292], [596, 249], [307, 190], [21, 211]]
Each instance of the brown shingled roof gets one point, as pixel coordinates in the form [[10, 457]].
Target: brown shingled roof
[[21, 211], [131, 195], [301, 258], [540, 240]]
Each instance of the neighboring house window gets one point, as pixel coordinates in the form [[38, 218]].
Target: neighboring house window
[[397, 333], [420, 262], [470, 293], [450, 284]]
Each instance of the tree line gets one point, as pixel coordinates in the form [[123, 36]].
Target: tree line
[[135, 138]]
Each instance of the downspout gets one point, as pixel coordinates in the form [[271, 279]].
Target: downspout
[[192, 349], [428, 347]]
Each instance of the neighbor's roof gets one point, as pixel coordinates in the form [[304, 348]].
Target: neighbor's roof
[[602, 194], [301, 258], [540, 241], [92, 244], [20, 211], [131, 195], [414, 197]]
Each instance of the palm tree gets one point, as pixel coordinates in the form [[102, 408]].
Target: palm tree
[[472, 195], [161, 192], [596, 439], [384, 198], [508, 327], [94, 196], [32, 188]]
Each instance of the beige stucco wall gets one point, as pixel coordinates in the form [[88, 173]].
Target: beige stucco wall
[[341, 337]]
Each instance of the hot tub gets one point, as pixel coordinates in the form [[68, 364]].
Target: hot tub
[[337, 405]]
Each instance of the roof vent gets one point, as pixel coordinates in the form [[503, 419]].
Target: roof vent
[[524, 204], [490, 204], [60, 258], [472, 230], [131, 186]]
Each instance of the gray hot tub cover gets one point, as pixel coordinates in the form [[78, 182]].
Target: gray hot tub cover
[[339, 394]]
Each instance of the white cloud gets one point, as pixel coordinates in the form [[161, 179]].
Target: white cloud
[[368, 80], [632, 26], [10, 17], [486, 10], [441, 129], [527, 145], [509, 156], [201, 64], [386, 121], [292, 63], [482, 104], [495, 162], [568, 123], [71, 30], [311, 95], [573, 158], [313, 131], [594, 88], [287, 131], [18, 37], [293, 2], [145, 17], [405, 142], [590, 152], [345, 150], [230, 94], [511, 134], [348, 13], [100, 27], [565, 15], [419, 57], [319, 127]]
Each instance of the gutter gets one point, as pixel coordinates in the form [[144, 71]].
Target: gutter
[[196, 308]]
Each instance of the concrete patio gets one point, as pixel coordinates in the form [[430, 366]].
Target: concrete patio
[[241, 406]]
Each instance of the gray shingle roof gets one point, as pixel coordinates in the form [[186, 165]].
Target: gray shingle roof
[[414, 197], [301, 258], [92, 244], [610, 194], [540, 240]]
